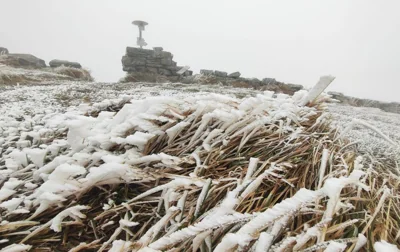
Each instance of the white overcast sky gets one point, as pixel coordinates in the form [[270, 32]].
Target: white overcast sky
[[293, 41]]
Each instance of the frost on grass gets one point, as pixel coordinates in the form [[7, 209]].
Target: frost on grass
[[205, 172]]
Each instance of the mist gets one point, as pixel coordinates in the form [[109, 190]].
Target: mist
[[291, 41]]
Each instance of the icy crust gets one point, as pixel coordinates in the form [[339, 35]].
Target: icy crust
[[368, 140]]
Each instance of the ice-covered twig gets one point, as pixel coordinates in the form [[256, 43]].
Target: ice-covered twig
[[321, 85]]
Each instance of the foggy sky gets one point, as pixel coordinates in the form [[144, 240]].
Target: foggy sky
[[293, 41]]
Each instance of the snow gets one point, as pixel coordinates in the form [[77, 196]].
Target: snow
[[12, 204], [361, 241], [384, 246], [335, 247], [73, 212], [76, 161], [120, 246], [16, 248]]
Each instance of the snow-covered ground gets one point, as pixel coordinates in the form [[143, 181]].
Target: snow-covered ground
[[30, 100], [38, 115]]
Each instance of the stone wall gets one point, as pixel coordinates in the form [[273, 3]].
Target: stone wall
[[156, 61]]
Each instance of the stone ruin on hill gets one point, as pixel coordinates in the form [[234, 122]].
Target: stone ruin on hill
[[156, 61]]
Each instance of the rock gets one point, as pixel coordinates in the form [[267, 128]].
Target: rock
[[268, 81], [294, 87], [153, 61], [164, 71], [133, 51], [58, 63], [126, 60], [157, 51], [22, 60], [140, 68], [165, 54], [152, 70], [3, 51], [255, 80], [166, 61], [220, 73], [234, 75], [188, 73], [206, 72], [138, 61], [333, 93]]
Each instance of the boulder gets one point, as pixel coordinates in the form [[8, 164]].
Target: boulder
[[188, 73], [268, 81], [255, 81], [22, 60], [152, 70], [220, 73], [58, 63], [206, 72], [166, 61], [3, 51], [134, 51], [165, 54], [157, 51], [294, 87], [164, 71], [234, 75]]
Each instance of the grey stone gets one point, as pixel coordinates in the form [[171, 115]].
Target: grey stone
[[134, 51], [164, 71], [22, 60], [126, 60], [166, 61], [138, 62], [220, 73], [188, 73], [153, 61], [58, 63], [157, 51], [128, 68], [294, 87], [333, 93], [234, 75], [206, 72], [268, 81], [152, 70], [3, 50], [140, 68], [165, 54]]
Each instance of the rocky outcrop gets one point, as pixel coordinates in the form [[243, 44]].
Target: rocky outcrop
[[392, 107], [58, 63], [22, 60], [3, 50], [234, 75], [206, 72], [209, 77], [220, 73], [156, 61], [268, 81]]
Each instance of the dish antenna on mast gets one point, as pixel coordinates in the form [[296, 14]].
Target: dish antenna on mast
[[141, 24]]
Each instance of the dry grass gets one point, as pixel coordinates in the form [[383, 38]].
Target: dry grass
[[147, 77], [11, 76], [75, 73], [288, 164]]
